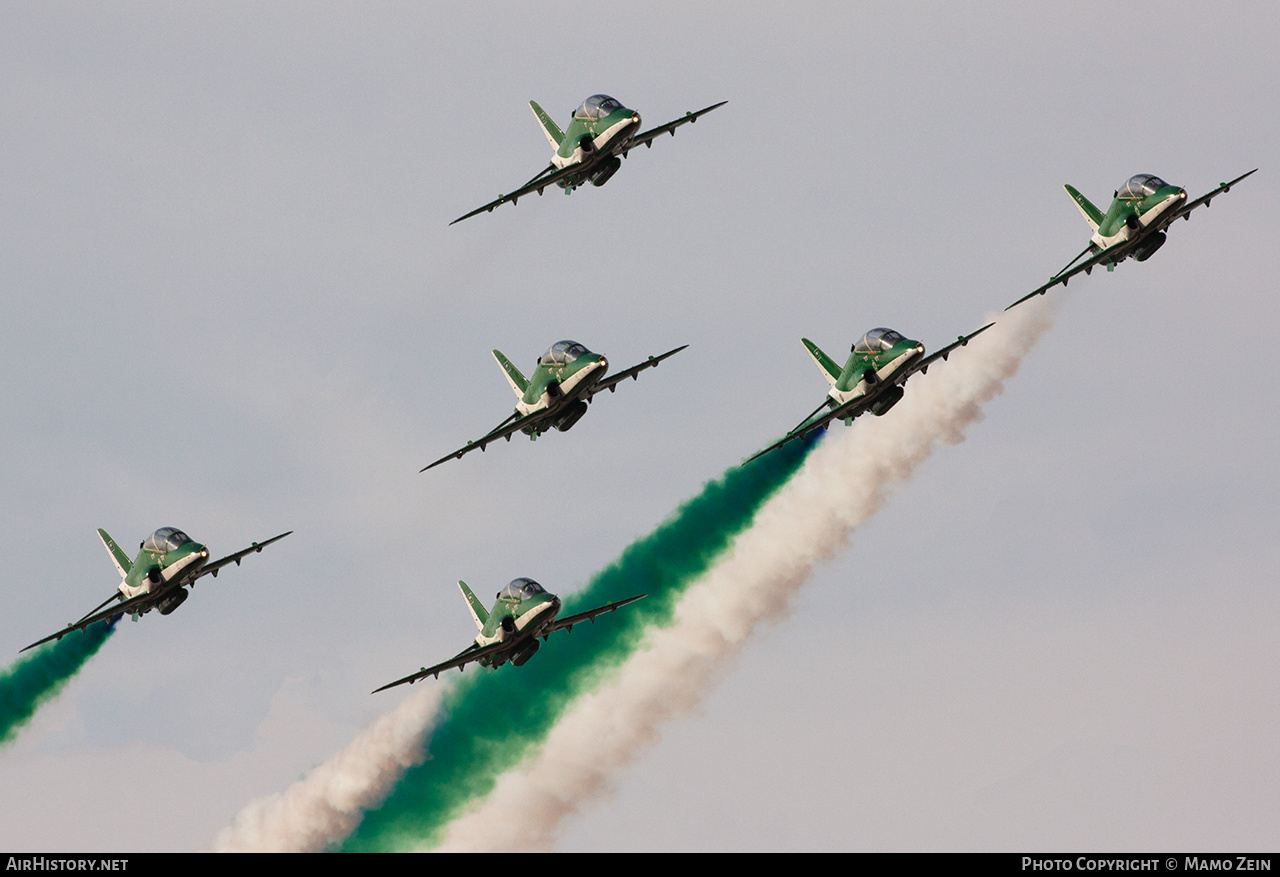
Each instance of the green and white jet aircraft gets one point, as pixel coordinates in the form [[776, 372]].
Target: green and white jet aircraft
[[565, 379], [878, 365], [511, 629], [1134, 226], [169, 561], [601, 130]]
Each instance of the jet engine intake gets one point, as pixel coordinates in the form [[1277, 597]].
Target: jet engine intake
[[154, 575], [588, 146], [508, 627]]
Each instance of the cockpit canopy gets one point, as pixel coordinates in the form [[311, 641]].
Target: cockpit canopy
[[1141, 186], [877, 341], [562, 353], [165, 539], [521, 589], [596, 107]]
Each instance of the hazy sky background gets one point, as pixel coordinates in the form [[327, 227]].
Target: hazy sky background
[[230, 302]]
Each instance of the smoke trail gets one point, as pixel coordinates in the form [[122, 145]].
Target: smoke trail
[[842, 485], [40, 676], [328, 803], [492, 719]]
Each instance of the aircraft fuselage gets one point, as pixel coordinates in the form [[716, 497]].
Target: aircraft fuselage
[[865, 374], [517, 623]]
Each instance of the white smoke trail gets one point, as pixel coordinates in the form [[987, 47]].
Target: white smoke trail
[[843, 483], [325, 806]]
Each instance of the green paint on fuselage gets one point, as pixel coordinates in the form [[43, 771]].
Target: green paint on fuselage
[[1117, 216]]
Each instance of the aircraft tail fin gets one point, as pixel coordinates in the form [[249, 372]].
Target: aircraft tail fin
[[554, 135], [1091, 214], [479, 614], [118, 557], [514, 378], [825, 364]]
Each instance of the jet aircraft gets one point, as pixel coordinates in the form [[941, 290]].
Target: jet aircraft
[[167, 562], [1134, 226], [601, 130], [565, 379], [878, 365], [510, 630]]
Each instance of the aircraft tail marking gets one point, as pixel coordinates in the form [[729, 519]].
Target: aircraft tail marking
[[554, 135], [829, 369], [514, 378], [118, 557], [1091, 214], [479, 614]]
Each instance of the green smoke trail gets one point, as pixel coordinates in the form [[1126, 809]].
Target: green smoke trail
[[491, 720], [37, 678]]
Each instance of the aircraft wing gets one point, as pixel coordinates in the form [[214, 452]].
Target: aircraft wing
[[813, 421], [235, 558], [506, 429], [96, 616], [647, 137], [1107, 255], [1222, 189], [922, 365], [568, 622], [466, 656], [611, 382], [854, 407], [545, 178]]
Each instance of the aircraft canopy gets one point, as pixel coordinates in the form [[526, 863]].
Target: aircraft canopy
[[877, 341], [521, 589], [596, 107], [562, 353], [1141, 186], [165, 539]]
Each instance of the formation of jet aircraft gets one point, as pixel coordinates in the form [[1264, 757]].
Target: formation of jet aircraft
[[168, 561], [556, 394], [871, 379], [600, 134], [509, 632], [1134, 226]]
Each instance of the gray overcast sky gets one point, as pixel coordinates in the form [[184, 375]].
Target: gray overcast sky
[[230, 302]]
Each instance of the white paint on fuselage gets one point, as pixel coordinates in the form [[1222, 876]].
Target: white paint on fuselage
[[1145, 221], [860, 389], [168, 574], [574, 386], [528, 624], [609, 141]]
